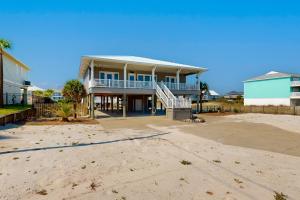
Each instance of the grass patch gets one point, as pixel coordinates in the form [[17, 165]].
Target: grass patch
[[185, 162], [13, 109], [279, 196]]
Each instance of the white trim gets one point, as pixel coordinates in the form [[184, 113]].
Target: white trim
[[267, 101], [144, 75], [107, 72], [12, 83], [133, 75], [175, 79]]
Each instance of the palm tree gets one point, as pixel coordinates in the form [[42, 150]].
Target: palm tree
[[203, 89], [74, 91], [4, 44]]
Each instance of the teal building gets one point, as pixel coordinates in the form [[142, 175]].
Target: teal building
[[273, 88]]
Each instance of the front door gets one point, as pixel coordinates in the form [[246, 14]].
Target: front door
[[138, 105]]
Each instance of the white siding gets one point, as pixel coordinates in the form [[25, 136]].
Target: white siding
[[14, 77], [267, 101]]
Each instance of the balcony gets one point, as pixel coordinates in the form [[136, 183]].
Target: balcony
[[108, 83], [295, 84], [181, 86], [295, 95]]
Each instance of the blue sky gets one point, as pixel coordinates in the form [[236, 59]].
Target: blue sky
[[234, 39]]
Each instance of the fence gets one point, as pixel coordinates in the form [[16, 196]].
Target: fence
[[17, 117], [16, 98], [288, 110], [48, 110]]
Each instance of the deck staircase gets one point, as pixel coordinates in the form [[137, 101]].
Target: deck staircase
[[168, 99]]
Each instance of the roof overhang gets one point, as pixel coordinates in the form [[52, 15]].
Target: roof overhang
[[136, 63], [13, 59]]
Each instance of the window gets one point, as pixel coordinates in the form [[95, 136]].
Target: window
[[170, 79], [116, 76], [140, 77], [147, 78], [109, 75], [144, 77], [102, 75], [132, 77]]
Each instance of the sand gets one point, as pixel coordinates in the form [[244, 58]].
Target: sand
[[287, 122], [138, 158]]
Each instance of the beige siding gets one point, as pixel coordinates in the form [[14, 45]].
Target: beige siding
[[160, 76]]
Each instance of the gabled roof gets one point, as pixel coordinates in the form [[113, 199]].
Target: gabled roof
[[134, 60], [234, 93], [273, 75], [213, 93], [34, 88], [12, 58]]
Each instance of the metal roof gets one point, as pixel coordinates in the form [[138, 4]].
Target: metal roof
[[135, 60], [273, 75]]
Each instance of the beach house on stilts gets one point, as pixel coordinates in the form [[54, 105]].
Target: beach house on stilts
[[129, 84]]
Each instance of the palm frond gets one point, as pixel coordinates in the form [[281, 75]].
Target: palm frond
[[5, 44]]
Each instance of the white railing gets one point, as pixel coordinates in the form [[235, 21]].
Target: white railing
[[139, 84], [176, 102], [181, 86], [108, 83], [168, 103], [167, 91], [295, 95], [120, 84], [183, 103], [295, 83]]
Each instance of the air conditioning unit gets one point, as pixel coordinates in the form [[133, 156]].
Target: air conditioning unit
[[27, 83]]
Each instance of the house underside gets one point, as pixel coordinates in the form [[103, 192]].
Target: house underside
[[133, 84]]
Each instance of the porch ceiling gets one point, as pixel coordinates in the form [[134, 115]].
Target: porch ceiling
[[137, 63]]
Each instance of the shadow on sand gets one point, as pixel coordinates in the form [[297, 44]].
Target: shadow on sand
[[82, 144], [109, 114]]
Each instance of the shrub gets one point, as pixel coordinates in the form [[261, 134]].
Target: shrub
[[235, 110], [64, 111]]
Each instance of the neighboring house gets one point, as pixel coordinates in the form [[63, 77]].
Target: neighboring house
[[233, 95], [57, 95], [15, 80], [138, 84], [273, 88], [211, 95], [31, 89]]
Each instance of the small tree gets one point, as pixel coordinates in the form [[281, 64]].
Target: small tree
[[203, 89], [73, 92], [48, 93], [4, 44]]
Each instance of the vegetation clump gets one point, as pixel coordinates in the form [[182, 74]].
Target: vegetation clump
[[64, 111], [185, 162], [73, 92], [280, 196]]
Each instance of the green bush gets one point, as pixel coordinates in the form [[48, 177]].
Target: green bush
[[64, 111]]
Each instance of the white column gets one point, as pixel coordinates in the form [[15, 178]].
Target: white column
[[178, 78], [125, 75], [92, 73], [153, 76]]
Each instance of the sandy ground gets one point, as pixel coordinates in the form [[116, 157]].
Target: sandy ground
[[286, 122], [140, 158]]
